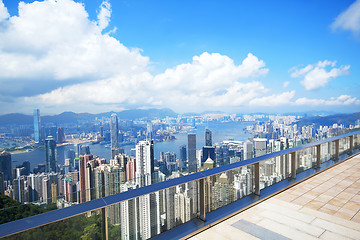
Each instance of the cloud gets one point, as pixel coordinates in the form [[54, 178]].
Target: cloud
[[317, 76], [56, 43], [342, 100], [286, 84], [274, 100], [299, 72], [210, 80], [75, 65], [104, 15], [3, 12], [56, 40], [349, 19]]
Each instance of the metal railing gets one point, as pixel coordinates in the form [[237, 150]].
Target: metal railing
[[153, 209]]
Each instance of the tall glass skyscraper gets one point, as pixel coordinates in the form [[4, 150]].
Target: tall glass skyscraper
[[5, 165], [182, 156], [114, 131], [192, 152], [50, 151], [208, 137], [36, 125]]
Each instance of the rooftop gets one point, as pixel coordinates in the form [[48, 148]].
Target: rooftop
[[325, 206]]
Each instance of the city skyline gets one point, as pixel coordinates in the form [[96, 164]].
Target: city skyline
[[209, 56]]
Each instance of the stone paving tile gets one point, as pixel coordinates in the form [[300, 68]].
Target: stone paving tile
[[344, 215], [294, 223], [332, 227], [356, 218], [285, 211], [324, 198], [314, 204], [285, 230], [327, 235], [302, 200]]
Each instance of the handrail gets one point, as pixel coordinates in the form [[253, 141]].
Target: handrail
[[97, 204]]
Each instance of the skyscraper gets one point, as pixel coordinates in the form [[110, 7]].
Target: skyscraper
[[114, 131], [36, 125], [192, 152], [5, 165], [248, 150], [84, 175], [50, 157], [260, 146], [208, 152], [60, 135], [144, 166], [208, 138], [182, 156], [149, 217]]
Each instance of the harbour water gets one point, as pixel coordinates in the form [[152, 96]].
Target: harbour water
[[220, 132]]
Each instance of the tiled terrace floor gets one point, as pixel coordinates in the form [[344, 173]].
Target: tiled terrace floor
[[326, 206]]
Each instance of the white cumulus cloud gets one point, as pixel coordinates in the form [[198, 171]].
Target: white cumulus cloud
[[349, 19], [210, 80], [318, 75], [56, 40], [104, 15], [286, 84], [274, 100], [342, 100], [4, 14]]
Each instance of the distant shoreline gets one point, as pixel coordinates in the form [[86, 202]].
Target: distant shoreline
[[31, 148]]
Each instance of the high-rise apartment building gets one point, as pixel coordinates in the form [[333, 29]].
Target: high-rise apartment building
[[50, 157], [149, 205], [192, 152], [260, 146], [114, 131], [248, 150], [208, 137], [87, 165], [170, 161], [144, 166], [36, 125]]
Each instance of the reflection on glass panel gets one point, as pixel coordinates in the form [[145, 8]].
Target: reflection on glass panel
[[274, 170], [326, 151], [306, 159], [342, 145], [85, 226], [356, 140], [227, 187], [149, 215]]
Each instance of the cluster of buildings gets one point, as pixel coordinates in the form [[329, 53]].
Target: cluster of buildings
[[85, 177]]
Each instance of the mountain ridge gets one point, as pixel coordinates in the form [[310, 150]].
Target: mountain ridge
[[72, 117]]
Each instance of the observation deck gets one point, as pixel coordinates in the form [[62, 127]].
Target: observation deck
[[325, 206]]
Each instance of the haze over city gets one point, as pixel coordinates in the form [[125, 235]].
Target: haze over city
[[242, 56]]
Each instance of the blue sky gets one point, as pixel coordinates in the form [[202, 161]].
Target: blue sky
[[234, 56]]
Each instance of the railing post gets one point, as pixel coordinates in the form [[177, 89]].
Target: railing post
[[318, 156], [337, 149], [351, 144], [105, 227], [202, 204], [293, 165], [257, 178]]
